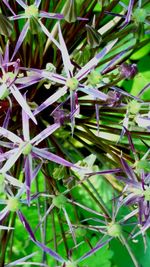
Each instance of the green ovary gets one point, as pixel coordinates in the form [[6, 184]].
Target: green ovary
[[114, 229], [72, 83], [13, 204], [32, 11], [27, 149]]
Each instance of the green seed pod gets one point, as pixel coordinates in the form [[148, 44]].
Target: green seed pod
[[80, 232], [144, 165], [72, 83], [4, 91], [94, 38], [94, 78], [139, 15], [59, 201], [70, 11]]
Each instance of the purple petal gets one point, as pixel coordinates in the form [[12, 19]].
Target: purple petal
[[104, 172], [115, 88], [12, 159], [128, 170], [44, 14], [96, 248], [52, 157], [129, 14], [26, 225], [3, 214], [22, 102], [113, 61], [85, 208], [49, 35], [70, 226], [50, 252], [51, 100], [6, 55], [65, 55], [28, 175], [94, 92], [8, 154], [22, 260], [17, 17], [13, 181], [73, 108], [27, 81], [7, 4], [37, 3], [21, 38], [54, 77], [9, 135], [45, 133], [21, 3], [7, 118], [7, 144], [94, 61], [25, 126]]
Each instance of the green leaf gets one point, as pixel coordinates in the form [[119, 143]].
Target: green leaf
[[5, 26]]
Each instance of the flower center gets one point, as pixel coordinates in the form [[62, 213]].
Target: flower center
[[114, 229], [31, 11], [72, 83], [59, 201], [27, 149], [70, 264], [134, 107], [13, 204]]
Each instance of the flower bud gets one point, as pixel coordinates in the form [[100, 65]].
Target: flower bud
[[13, 204], [94, 38], [70, 11], [128, 71]]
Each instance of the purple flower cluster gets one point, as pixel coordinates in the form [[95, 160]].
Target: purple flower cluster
[[61, 99]]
